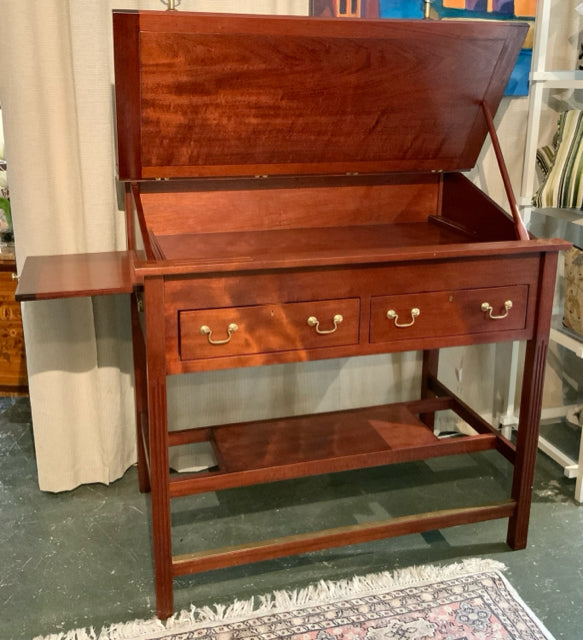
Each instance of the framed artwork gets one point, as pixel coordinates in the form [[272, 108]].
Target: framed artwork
[[523, 10]]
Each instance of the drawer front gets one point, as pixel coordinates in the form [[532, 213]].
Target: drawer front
[[234, 331], [448, 313]]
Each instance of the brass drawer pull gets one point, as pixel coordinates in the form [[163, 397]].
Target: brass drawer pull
[[392, 315], [314, 322], [487, 308], [206, 331]]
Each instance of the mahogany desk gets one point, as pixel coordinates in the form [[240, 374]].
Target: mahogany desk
[[293, 193]]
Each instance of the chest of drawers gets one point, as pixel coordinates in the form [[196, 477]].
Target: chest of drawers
[[13, 378], [293, 193]]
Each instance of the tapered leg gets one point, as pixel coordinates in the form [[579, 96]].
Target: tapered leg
[[530, 406], [429, 370], [527, 441], [141, 394], [158, 438]]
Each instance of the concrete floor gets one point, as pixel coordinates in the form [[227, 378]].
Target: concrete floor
[[83, 558]]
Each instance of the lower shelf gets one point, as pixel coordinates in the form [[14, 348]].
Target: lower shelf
[[326, 436], [286, 448]]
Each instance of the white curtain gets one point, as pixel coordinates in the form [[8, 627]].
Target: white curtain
[[56, 80], [55, 86]]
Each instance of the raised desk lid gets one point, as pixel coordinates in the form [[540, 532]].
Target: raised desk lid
[[201, 95]]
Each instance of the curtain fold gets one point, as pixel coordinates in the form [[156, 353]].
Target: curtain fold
[[55, 86]]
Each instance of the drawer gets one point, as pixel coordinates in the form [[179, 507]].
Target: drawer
[[234, 331], [448, 313]]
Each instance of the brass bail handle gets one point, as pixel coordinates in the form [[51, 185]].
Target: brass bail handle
[[487, 308], [206, 331], [314, 322], [392, 315]]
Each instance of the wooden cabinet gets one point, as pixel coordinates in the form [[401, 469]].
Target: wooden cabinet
[[13, 378], [293, 193]]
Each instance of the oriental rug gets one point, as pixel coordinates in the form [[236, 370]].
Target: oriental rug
[[467, 601]]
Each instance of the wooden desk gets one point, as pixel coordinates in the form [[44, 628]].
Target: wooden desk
[[308, 204]]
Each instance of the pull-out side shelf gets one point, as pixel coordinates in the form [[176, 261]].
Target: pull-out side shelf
[[76, 275]]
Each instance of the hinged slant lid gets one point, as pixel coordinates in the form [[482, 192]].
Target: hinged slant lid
[[201, 95]]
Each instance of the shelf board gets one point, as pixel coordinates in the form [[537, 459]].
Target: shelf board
[[326, 246], [570, 466], [558, 79], [277, 247], [305, 439], [65, 276], [565, 337], [300, 446]]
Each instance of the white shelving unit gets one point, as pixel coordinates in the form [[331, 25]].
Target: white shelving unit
[[541, 81], [567, 340], [565, 223]]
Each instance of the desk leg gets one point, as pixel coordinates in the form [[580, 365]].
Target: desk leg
[[141, 395], [429, 370], [527, 440], [158, 437], [530, 406]]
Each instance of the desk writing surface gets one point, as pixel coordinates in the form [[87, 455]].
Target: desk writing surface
[[304, 244], [231, 252]]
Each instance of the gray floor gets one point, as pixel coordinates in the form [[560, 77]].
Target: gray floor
[[83, 558]]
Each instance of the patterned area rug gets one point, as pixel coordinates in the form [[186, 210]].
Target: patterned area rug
[[467, 601]]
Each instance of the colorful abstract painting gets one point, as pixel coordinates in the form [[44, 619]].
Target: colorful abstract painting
[[489, 8], [494, 9], [523, 10]]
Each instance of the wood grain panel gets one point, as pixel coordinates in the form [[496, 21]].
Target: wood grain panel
[[229, 90], [178, 207], [254, 95]]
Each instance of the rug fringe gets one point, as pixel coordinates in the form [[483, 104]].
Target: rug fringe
[[330, 591], [323, 591]]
